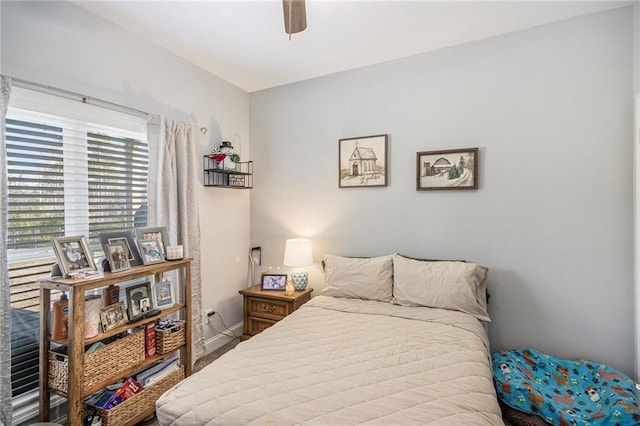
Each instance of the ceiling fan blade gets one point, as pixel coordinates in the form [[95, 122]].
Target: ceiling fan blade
[[295, 16]]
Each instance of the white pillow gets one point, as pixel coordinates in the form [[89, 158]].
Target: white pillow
[[459, 286], [359, 278]]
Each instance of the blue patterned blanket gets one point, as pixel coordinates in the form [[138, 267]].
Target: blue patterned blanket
[[565, 392]]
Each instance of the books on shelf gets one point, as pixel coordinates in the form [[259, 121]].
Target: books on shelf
[[161, 374], [158, 371], [108, 398]]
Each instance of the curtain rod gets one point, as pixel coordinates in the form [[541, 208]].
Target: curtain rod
[[76, 96], [90, 100]]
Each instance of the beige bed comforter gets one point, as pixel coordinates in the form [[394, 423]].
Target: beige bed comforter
[[345, 361]]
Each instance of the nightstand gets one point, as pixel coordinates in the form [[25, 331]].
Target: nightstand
[[263, 308]]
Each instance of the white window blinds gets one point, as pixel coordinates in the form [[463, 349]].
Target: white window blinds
[[74, 169], [36, 183]]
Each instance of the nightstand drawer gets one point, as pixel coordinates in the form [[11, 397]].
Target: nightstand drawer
[[256, 325], [271, 309]]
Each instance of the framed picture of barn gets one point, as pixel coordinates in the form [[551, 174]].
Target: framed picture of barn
[[450, 169], [362, 162]]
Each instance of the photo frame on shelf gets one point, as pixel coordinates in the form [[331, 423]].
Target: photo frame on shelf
[[127, 239], [276, 282], [158, 233], [164, 295], [362, 161], [73, 254], [113, 316], [117, 257], [139, 300], [150, 251], [447, 169]]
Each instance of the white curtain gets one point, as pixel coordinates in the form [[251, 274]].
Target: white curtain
[[174, 168], [5, 304]]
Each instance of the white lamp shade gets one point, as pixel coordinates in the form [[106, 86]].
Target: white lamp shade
[[297, 252]]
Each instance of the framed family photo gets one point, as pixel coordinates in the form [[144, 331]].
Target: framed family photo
[[150, 251], [127, 240], [113, 316], [73, 255], [163, 294], [276, 282], [117, 257], [158, 233], [448, 169], [362, 161], [139, 300]]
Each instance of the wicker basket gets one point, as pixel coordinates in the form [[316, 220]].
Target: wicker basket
[[99, 365], [166, 341], [139, 405]]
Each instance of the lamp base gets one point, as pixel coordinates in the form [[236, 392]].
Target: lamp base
[[300, 279]]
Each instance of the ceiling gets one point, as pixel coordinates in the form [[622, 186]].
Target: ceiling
[[244, 42]]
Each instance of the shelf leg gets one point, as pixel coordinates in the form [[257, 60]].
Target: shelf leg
[[44, 396], [75, 411]]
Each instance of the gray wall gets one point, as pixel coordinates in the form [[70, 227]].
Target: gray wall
[[64, 46], [551, 109]]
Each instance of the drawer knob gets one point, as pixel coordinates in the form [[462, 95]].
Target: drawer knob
[[268, 309]]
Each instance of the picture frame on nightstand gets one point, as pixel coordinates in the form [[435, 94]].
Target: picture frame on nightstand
[[273, 282]]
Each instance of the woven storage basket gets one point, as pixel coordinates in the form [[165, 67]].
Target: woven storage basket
[[99, 365], [166, 341], [142, 404]]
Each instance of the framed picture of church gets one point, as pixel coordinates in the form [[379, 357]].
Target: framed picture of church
[[362, 161], [449, 169]]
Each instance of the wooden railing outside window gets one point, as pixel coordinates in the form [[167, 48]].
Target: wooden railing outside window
[[25, 321]]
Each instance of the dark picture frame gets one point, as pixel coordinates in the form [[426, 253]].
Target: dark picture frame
[[158, 233], [447, 169], [113, 316], [128, 240], [362, 161], [117, 256], [139, 300], [73, 254], [273, 282], [150, 251]]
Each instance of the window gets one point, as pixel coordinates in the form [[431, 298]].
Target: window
[[36, 183], [117, 176], [73, 169]]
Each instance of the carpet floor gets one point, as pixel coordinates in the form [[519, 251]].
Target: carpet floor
[[199, 365]]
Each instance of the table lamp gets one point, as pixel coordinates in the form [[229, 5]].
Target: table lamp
[[297, 253]]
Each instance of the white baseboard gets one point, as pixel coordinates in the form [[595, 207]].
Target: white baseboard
[[220, 339]]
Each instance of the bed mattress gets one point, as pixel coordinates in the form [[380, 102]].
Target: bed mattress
[[346, 361]]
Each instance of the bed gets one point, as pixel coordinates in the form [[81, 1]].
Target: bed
[[358, 354]]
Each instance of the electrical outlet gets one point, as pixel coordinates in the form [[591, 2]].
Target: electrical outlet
[[210, 314]]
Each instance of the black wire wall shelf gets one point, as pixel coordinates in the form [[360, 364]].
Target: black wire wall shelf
[[238, 177]]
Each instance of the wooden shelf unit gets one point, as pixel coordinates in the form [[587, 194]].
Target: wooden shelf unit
[[76, 289]]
